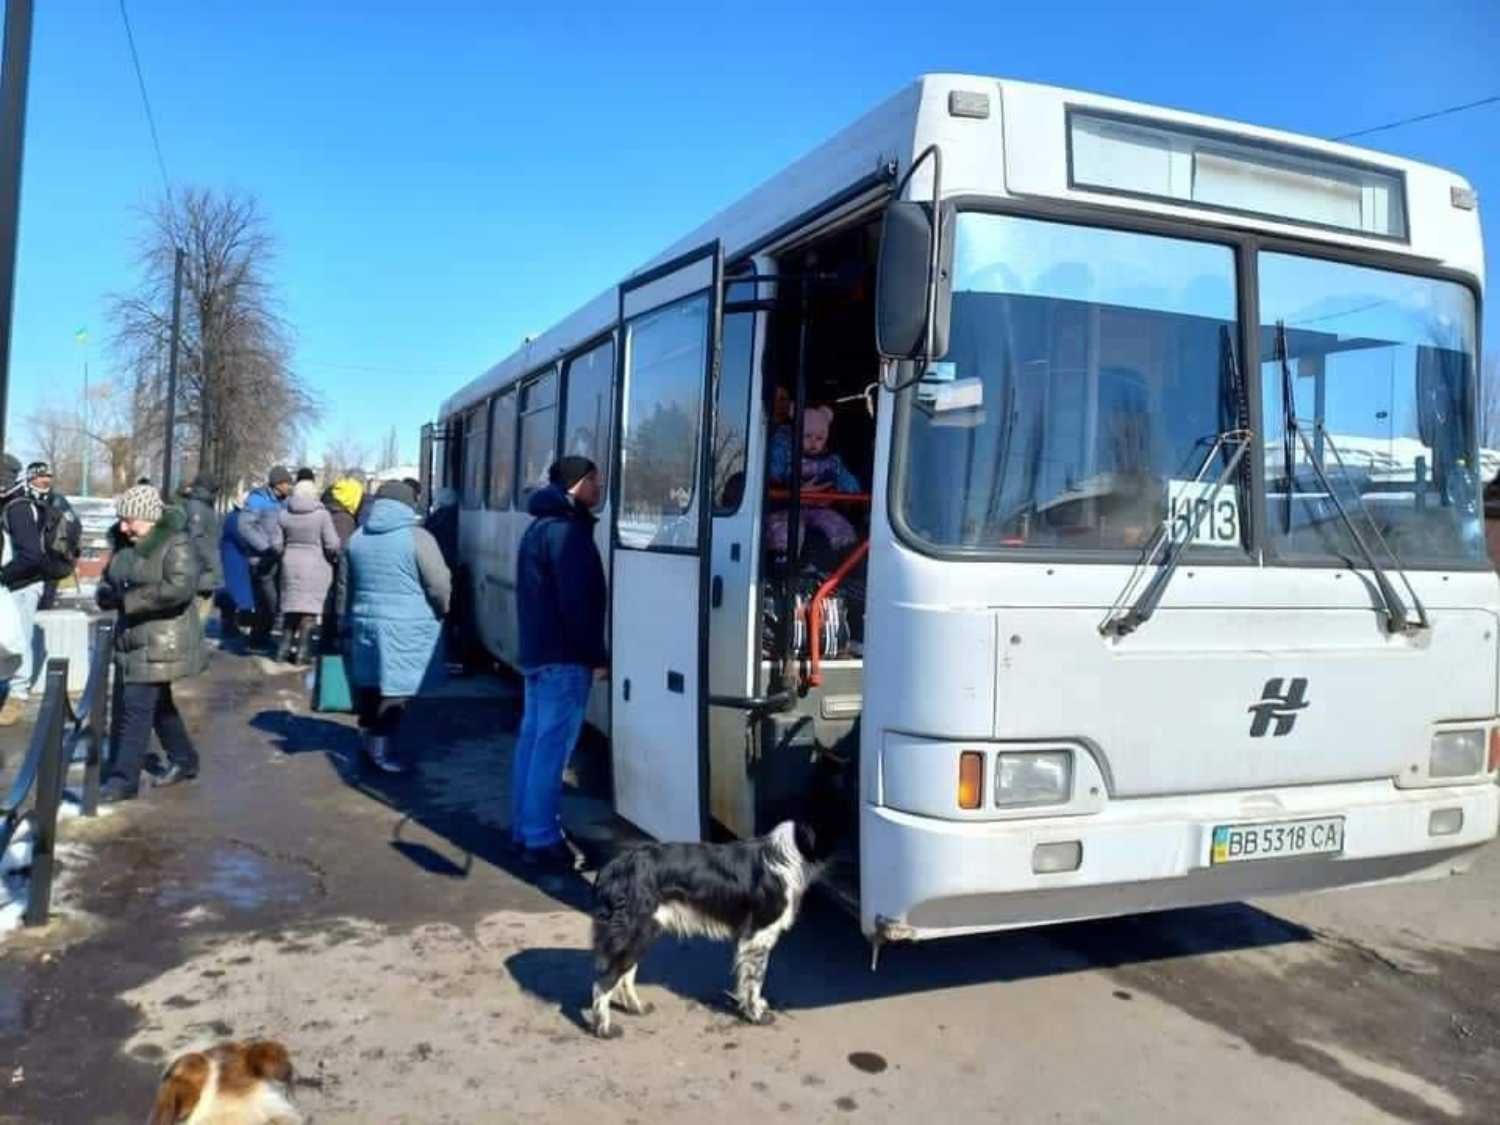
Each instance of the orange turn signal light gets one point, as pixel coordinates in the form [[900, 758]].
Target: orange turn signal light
[[970, 779], [1494, 763]]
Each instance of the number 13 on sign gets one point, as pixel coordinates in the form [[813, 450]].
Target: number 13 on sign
[[1217, 517]]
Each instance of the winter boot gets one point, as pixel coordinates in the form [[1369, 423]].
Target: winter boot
[[11, 711], [383, 756]]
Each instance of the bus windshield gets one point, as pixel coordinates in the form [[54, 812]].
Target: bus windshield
[[1379, 367], [1090, 370], [1086, 380]]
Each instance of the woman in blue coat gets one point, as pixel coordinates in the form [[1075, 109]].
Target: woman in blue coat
[[236, 596], [394, 590]]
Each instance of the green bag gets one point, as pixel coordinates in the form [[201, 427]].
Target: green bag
[[331, 684]]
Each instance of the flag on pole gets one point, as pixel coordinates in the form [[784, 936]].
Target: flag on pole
[[81, 335]]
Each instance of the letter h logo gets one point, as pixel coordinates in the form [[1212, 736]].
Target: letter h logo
[[1278, 707]]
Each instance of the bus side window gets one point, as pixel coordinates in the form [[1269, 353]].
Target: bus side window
[[474, 453], [732, 418], [502, 450], [589, 408], [538, 440]]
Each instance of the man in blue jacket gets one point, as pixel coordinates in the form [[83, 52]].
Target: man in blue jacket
[[561, 603], [259, 531]]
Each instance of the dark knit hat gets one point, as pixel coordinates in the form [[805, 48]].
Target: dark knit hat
[[398, 490], [37, 469], [305, 473], [568, 471], [279, 474], [10, 471]]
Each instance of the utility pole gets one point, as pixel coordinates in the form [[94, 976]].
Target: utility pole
[[88, 436], [13, 68], [170, 431]]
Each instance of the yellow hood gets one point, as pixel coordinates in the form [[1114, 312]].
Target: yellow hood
[[348, 492]]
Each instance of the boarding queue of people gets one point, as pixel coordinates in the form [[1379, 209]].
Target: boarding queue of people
[[295, 572]]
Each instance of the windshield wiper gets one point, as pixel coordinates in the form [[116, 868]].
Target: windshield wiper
[[1288, 428], [1163, 543], [1397, 618]]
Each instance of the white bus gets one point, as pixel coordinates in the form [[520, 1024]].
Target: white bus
[[1137, 559]]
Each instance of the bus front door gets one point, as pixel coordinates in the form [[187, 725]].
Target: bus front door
[[669, 345]]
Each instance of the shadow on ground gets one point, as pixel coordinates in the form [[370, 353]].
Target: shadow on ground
[[454, 804], [825, 962], [454, 810]]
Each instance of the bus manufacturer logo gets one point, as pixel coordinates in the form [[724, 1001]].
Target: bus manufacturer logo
[[1278, 707]]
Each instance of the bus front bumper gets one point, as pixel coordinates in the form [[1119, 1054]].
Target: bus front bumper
[[922, 877]]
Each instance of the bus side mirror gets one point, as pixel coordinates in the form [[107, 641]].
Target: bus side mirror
[[905, 288]]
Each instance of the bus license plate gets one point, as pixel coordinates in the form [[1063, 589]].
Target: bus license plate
[[1277, 839]]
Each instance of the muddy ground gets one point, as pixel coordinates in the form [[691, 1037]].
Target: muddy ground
[[377, 930]]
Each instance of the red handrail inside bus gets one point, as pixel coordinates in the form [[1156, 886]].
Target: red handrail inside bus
[[815, 611], [822, 496]]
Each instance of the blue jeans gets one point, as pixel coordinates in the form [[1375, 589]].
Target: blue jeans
[[34, 655], [557, 695]]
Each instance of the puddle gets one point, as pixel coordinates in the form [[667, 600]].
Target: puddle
[[241, 877]]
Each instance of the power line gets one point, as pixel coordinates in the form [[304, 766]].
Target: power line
[[1419, 117], [161, 164]]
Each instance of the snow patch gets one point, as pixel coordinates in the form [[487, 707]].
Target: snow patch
[[15, 879], [16, 861], [197, 915]]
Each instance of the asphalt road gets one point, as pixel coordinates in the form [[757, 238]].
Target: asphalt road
[[378, 932]]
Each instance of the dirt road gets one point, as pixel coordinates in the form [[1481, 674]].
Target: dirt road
[[377, 931]]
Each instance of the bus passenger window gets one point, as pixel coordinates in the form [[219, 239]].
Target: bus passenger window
[[590, 409], [474, 450], [538, 433], [663, 411], [502, 450], [733, 415]]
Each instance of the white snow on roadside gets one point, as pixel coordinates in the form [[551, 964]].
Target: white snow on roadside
[[15, 864]]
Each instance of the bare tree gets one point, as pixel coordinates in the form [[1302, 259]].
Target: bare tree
[[56, 435], [390, 451], [344, 453], [241, 404], [115, 427]]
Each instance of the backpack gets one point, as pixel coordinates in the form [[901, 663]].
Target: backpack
[[62, 540]]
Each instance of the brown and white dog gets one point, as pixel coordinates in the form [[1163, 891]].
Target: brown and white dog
[[230, 1084]]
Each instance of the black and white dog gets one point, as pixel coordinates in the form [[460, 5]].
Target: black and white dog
[[747, 892]]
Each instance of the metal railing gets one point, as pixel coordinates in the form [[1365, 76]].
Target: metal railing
[[53, 749]]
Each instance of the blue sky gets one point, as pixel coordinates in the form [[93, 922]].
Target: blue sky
[[445, 178]]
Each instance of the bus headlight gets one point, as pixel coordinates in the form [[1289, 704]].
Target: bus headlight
[[1456, 753], [1036, 777]]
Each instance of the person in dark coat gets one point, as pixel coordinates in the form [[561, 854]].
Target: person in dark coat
[[204, 530], [341, 499], [152, 585], [54, 506], [393, 595], [442, 521], [24, 574], [560, 601]]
